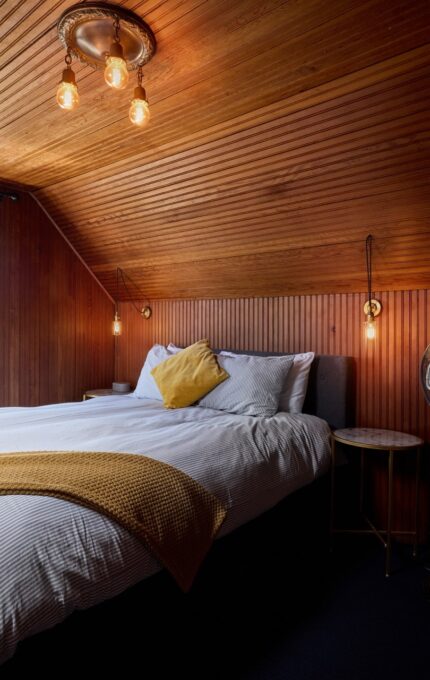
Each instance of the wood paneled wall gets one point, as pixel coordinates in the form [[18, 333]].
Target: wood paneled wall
[[55, 333], [388, 391], [388, 394]]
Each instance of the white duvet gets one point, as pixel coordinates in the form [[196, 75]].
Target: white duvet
[[57, 556]]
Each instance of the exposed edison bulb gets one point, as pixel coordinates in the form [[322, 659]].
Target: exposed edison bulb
[[139, 113], [369, 326], [67, 92], [116, 74], [117, 325]]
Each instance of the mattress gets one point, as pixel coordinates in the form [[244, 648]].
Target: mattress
[[57, 556]]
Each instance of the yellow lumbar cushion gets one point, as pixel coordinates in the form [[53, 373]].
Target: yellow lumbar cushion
[[189, 375]]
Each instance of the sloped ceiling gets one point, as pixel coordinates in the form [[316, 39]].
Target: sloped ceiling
[[282, 133]]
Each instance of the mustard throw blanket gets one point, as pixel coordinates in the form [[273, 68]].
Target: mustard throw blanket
[[164, 508]]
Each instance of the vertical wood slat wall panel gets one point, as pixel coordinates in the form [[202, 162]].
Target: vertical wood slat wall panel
[[55, 332], [388, 391]]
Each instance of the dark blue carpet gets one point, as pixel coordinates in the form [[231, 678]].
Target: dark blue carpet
[[269, 603]]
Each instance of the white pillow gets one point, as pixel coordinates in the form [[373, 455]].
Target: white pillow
[[294, 391], [253, 387], [146, 387], [173, 348]]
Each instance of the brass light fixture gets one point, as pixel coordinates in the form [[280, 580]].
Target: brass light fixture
[[145, 310], [372, 307], [110, 37]]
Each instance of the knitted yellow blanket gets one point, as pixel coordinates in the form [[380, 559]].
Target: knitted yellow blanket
[[175, 517]]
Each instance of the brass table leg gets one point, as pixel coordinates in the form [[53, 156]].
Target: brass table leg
[[333, 464], [389, 514], [417, 495], [361, 480]]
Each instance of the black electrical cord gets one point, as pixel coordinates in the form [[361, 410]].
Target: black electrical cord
[[130, 297], [369, 241]]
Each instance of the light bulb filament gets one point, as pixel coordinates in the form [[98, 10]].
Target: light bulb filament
[[139, 112], [116, 74]]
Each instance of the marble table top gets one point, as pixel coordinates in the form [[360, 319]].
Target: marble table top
[[370, 437]]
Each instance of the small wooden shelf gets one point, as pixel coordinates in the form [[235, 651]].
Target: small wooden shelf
[[91, 394]]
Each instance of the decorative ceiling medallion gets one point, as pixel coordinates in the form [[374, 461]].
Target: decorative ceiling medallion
[[87, 31]]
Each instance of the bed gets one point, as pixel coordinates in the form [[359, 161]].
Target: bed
[[58, 556]]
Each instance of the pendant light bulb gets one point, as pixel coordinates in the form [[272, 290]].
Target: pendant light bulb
[[139, 113], [67, 92], [139, 110], [370, 328], [116, 73], [117, 325]]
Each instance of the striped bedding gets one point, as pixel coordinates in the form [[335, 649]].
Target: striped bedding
[[56, 556]]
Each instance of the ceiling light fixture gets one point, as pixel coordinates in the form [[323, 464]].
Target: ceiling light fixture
[[110, 37]]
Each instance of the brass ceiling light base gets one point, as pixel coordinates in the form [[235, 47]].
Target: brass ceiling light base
[[87, 30], [374, 308]]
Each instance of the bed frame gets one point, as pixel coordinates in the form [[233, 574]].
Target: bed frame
[[331, 388]]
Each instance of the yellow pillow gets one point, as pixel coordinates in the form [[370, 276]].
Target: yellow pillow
[[189, 375]]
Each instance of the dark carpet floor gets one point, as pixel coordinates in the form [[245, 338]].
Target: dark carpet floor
[[270, 603]]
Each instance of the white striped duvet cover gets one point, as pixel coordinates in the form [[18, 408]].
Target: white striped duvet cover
[[57, 556]]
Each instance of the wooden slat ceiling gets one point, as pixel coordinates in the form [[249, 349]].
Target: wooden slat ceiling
[[282, 133]]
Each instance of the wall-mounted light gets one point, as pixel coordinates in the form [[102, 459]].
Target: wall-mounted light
[[372, 307], [144, 310], [8, 194], [109, 37], [117, 325]]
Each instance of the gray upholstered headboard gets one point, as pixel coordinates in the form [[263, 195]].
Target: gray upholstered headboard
[[331, 389]]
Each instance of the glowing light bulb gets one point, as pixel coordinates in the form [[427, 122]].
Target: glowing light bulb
[[370, 329], [116, 74], [139, 113], [117, 325], [67, 92]]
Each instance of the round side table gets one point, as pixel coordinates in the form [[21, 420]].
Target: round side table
[[367, 438]]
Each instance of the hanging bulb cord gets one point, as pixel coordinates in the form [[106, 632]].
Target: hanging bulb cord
[[140, 74], [116, 29], [68, 58], [369, 240], [117, 290], [130, 297]]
